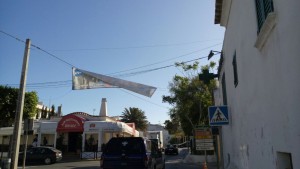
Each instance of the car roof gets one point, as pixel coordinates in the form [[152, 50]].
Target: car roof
[[125, 144], [127, 138], [46, 147]]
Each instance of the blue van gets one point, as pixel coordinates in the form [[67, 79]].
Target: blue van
[[131, 153]]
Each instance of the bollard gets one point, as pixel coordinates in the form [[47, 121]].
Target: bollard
[[205, 165]]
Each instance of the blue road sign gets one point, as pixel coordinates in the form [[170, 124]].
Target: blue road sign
[[218, 115]]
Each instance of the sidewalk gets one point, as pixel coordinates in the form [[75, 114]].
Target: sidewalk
[[199, 161], [210, 165]]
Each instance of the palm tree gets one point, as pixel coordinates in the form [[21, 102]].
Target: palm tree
[[137, 116]]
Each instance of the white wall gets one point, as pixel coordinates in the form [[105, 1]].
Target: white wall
[[166, 135], [265, 106]]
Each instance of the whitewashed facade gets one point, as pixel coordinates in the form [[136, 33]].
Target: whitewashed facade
[[259, 81], [158, 127]]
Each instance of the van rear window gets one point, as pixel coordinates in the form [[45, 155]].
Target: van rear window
[[125, 145]]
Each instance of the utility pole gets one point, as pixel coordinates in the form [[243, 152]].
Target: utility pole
[[15, 146]]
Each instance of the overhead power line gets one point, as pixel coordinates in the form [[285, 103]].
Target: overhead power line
[[163, 67], [166, 59], [133, 47], [35, 46], [56, 84], [144, 99], [67, 83], [53, 55], [20, 40], [71, 65]]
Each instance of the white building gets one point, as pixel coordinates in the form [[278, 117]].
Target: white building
[[76, 132], [259, 81], [158, 127]]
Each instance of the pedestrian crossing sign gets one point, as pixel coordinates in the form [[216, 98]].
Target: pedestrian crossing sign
[[218, 115]]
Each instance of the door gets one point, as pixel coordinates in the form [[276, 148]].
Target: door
[[74, 141]]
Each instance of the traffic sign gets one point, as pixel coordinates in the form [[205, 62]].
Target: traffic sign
[[204, 139], [204, 148], [218, 115], [203, 133], [205, 144]]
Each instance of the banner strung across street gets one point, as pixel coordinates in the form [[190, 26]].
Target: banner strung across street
[[88, 80]]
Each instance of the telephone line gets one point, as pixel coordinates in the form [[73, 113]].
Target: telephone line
[[144, 99], [71, 65], [150, 70], [32, 45], [166, 59], [133, 47], [58, 84], [68, 82]]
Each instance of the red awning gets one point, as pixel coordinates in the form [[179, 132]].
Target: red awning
[[71, 123]]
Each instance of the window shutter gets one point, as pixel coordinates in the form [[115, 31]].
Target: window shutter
[[263, 8], [235, 73]]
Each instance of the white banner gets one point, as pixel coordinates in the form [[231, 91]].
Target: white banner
[[88, 80]]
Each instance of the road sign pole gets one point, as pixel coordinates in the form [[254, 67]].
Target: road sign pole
[[15, 146]]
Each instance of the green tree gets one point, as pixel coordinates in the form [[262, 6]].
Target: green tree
[[137, 116], [8, 105], [190, 97], [173, 125], [52, 111]]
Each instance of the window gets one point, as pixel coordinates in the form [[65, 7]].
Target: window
[[263, 8], [127, 145], [224, 90], [235, 74], [284, 160]]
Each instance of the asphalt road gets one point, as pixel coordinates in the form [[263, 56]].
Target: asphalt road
[[172, 162], [176, 161]]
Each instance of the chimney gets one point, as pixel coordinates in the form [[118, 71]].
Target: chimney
[[59, 113], [103, 108]]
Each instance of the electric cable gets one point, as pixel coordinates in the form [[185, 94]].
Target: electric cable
[[35, 46], [134, 47], [144, 99], [166, 59], [68, 82]]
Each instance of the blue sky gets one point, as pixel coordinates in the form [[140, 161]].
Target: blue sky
[[110, 37]]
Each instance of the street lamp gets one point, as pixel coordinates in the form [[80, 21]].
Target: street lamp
[[212, 53]]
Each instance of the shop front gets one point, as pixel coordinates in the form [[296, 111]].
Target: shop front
[[69, 130], [97, 133], [77, 133]]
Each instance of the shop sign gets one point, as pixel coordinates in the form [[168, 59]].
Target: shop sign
[[92, 127], [70, 123]]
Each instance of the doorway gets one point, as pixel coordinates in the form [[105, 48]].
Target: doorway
[[74, 141]]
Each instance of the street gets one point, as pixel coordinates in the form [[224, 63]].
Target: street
[[172, 162], [175, 161]]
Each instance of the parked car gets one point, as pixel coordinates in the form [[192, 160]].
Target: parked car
[[131, 153], [47, 155], [171, 149]]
